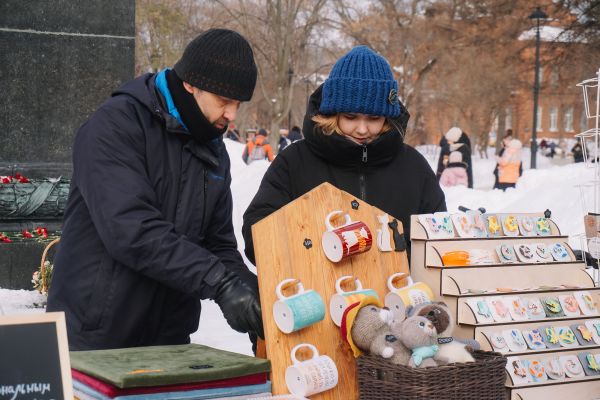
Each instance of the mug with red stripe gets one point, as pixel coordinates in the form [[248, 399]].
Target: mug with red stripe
[[342, 299], [341, 242]]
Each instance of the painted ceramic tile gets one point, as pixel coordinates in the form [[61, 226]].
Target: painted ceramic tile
[[445, 224], [526, 226], [479, 226], [498, 342], [584, 335], [506, 254], [499, 308], [594, 327], [569, 305], [550, 336], [553, 368], [517, 371], [543, 252], [542, 226], [534, 339], [552, 307], [566, 336], [587, 302], [572, 367], [517, 308], [481, 310], [535, 309], [589, 363], [514, 339], [525, 253], [510, 225], [536, 370], [463, 225], [493, 225], [559, 252]]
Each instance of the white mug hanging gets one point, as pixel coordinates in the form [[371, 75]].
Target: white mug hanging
[[315, 375]]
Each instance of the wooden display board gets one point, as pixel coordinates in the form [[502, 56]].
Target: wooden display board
[[279, 245]]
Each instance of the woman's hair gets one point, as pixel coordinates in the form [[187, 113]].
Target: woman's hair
[[329, 124]]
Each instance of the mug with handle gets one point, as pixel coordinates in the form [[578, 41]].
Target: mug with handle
[[298, 311], [315, 375], [342, 299], [353, 237]]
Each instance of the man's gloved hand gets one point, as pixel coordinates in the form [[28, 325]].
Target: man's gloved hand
[[240, 304]]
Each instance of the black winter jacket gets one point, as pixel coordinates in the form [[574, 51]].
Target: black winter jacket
[[386, 173], [147, 229]]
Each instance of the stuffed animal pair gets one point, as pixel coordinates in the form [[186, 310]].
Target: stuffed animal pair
[[418, 337]]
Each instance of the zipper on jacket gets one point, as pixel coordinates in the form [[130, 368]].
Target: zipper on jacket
[[362, 180], [204, 206]]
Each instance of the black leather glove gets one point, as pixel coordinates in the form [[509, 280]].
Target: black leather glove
[[240, 304]]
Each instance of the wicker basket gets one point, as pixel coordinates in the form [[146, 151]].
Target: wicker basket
[[45, 284], [378, 379]]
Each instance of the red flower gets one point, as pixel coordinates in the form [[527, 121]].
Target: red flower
[[40, 231], [27, 234], [7, 179], [6, 240], [22, 179]]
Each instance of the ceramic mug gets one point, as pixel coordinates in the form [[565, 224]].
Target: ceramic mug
[[341, 300], [353, 237], [315, 375], [302, 309], [412, 294]]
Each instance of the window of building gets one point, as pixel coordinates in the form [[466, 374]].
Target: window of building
[[539, 119], [583, 122], [541, 74], [553, 119], [569, 119], [508, 118], [554, 77]]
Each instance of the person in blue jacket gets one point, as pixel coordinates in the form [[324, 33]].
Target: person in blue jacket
[[148, 226]]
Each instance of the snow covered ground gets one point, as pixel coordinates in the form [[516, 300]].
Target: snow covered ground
[[548, 187]]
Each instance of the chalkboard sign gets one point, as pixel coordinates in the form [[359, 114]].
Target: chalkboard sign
[[34, 358]]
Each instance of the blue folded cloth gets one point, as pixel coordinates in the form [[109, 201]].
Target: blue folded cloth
[[90, 394]]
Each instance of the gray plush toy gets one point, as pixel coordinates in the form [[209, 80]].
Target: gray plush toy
[[420, 336], [371, 331], [451, 350]]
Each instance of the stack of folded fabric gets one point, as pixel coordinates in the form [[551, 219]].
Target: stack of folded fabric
[[168, 372]]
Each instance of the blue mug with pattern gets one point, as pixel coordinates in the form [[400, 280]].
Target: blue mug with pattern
[[295, 312]]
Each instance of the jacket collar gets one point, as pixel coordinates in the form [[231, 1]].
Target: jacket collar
[[145, 91], [340, 151]]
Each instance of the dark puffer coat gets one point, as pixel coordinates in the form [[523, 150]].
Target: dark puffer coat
[[386, 173], [147, 229]]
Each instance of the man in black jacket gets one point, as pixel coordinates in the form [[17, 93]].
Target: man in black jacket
[[147, 230]]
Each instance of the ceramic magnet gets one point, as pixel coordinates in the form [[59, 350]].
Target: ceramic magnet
[[493, 225], [552, 307], [506, 254], [498, 342], [553, 368], [500, 309], [560, 253], [543, 252], [535, 309], [587, 302], [584, 336], [536, 370], [517, 371], [534, 339], [479, 226], [383, 234], [481, 310], [572, 367], [445, 224], [542, 226], [550, 336], [517, 308], [525, 253], [526, 226], [510, 225], [569, 305], [588, 361], [514, 339], [566, 337], [463, 225], [594, 327]]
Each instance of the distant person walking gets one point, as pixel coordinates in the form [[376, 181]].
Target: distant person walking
[[509, 165], [505, 142], [258, 148], [455, 173], [455, 140], [577, 151], [295, 134]]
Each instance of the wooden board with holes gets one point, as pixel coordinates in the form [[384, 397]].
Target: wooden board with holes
[[282, 252]]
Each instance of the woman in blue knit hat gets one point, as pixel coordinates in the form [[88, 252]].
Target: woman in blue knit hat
[[354, 131]]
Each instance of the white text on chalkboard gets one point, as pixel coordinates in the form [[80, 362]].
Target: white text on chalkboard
[[24, 388]]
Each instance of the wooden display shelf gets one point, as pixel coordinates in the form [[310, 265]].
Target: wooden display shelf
[[551, 382], [466, 316], [482, 335], [572, 390], [455, 282], [281, 253], [435, 249], [520, 292], [476, 266], [419, 233]]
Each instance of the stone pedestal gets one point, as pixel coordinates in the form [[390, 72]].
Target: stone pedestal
[[60, 59]]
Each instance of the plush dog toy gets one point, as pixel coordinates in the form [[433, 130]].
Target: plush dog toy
[[420, 336], [365, 326], [450, 349]]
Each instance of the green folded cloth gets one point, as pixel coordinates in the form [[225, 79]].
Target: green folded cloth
[[165, 365]]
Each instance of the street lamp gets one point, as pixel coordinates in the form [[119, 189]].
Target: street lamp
[[538, 15]]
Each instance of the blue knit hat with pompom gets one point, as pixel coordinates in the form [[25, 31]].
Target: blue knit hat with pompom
[[361, 82]]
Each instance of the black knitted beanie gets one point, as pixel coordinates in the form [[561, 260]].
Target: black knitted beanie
[[219, 61]]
